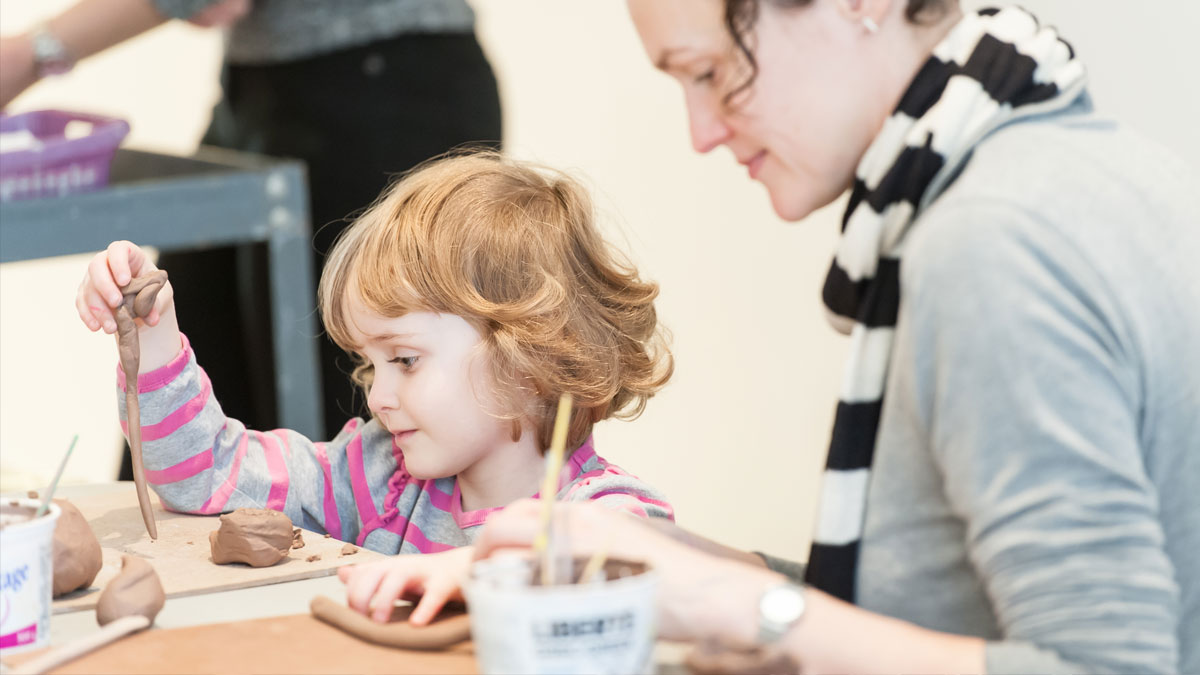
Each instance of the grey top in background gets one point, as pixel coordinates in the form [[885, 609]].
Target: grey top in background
[[1037, 475], [287, 30]]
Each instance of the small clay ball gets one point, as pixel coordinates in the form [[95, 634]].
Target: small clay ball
[[77, 557], [257, 537], [136, 590]]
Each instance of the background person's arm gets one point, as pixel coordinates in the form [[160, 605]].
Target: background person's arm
[[92, 26], [84, 29]]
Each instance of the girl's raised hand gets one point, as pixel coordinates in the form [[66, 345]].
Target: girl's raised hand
[[100, 291], [373, 588]]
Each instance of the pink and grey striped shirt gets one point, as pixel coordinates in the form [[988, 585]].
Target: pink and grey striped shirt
[[354, 487]]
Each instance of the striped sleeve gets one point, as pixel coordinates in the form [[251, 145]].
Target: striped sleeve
[[611, 487], [200, 461]]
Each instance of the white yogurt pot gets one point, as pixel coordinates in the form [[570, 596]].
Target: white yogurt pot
[[26, 574], [605, 626]]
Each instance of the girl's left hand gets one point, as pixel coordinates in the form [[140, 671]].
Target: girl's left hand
[[373, 588]]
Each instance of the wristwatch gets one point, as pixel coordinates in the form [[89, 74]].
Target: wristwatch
[[779, 608], [50, 56]]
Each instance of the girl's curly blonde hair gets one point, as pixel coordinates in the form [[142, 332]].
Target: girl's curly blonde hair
[[513, 249]]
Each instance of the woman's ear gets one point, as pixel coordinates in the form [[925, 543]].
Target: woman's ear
[[867, 13]]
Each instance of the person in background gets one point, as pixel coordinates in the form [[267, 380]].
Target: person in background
[[360, 91], [472, 294], [1011, 480]]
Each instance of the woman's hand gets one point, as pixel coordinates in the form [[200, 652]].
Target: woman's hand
[[17, 71], [437, 578], [698, 591], [99, 295]]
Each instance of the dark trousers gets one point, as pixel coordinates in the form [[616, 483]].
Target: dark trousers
[[357, 117]]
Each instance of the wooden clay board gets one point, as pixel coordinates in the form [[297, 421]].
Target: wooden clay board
[[181, 555], [283, 644]]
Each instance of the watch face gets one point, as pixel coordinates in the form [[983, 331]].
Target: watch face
[[782, 604]]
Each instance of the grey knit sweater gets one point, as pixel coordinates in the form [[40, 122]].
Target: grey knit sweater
[[286, 30], [1036, 478]]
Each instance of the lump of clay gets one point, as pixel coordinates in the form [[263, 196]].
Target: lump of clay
[[77, 557], [257, 537], [136, 590]]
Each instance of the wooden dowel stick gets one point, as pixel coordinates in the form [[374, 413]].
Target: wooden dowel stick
[[73, 650]]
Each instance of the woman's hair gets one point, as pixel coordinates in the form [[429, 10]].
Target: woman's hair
[[513, 249], [741, 15]]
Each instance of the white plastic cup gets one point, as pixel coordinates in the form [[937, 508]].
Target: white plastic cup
[[605, 626], [26, 577]]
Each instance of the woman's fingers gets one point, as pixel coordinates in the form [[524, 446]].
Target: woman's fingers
[[514, 527], [389, 590], [361, 584], [435, 598]]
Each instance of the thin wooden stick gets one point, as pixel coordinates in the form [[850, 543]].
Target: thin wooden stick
[[54, 483], [594, 564], [73, 650], [554, 462]]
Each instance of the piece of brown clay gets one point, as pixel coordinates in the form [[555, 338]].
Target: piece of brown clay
[[327, 535], [297, 539], [447, 630], [139, 295], [257, 537], [313, 558], [349, 549], [136, 590], [77, 557]]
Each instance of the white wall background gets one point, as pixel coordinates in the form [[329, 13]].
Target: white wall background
[[738, 438]]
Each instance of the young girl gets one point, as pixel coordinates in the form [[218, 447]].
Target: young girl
[[472, 294]]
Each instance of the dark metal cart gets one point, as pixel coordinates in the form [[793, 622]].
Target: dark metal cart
[[214, 198]]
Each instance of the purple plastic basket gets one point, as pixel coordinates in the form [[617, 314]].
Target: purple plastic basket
[[58, 165]]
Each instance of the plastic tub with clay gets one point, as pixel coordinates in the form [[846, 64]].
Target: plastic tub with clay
[[26, 574], [606, 625]]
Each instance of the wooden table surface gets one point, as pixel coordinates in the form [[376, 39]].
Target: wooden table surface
[[202, 633]]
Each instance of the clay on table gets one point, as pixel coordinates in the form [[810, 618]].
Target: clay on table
[[446, 631], [349, 549], [257, 537], [139, 295], [13, 513], [136, 590], [77, 556]]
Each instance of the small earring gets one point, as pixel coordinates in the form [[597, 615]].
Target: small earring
[[869, 24]]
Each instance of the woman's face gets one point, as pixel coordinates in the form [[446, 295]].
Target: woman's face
[[814, 105]]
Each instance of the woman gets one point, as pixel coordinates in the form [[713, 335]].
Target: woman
[[1011, 479]]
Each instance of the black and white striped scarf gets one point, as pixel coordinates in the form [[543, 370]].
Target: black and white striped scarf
[[993, 67]]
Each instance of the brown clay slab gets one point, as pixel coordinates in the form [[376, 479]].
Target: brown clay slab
[[181, 555]]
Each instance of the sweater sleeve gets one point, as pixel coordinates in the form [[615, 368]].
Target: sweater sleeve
[[199, 461], [182, 9], [1030, 397]]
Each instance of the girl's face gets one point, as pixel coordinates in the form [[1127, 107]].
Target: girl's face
[[812, 109], [431, 389]]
